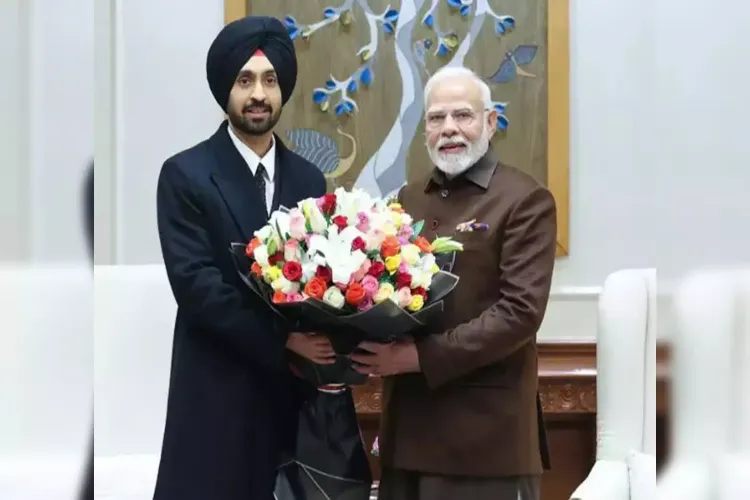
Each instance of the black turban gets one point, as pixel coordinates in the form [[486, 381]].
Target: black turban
[[235, 45]]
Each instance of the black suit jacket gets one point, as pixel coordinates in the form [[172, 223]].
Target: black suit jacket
[[232, 400]]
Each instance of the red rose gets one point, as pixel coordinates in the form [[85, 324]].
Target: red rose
[[403, 280], [423, 245], [420, 291], [390, 247], [324, 273], [292, 271], [275, 258], [256, 269], [355, 294], [329, 204], [250, 247], [341, 222], [358, 244], [315, 288], [278, 297], [376, 269]]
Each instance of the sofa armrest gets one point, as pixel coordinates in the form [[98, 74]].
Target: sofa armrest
[[607, 481]]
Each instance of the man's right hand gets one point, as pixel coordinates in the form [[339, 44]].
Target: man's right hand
[[315, 347]]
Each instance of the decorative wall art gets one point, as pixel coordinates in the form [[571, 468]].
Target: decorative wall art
[[357, 110]]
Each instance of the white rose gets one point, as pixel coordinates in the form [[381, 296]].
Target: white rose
[[284, 285], [260, 254], [333, 297]]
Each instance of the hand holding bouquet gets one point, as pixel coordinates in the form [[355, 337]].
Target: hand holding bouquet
[[350, 266]]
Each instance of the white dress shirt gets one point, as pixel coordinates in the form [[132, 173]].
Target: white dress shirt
[[252, 160]]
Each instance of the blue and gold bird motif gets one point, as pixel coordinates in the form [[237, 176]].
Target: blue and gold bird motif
[[510, 67]]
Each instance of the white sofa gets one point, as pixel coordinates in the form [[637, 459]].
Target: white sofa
[[625, 467], [710, 388], [45, 380], [134, 321]]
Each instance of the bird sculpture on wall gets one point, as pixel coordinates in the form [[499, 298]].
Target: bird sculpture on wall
[[323, 151]]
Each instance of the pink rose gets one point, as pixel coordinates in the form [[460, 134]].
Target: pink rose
[[292, 251], [403, 267], [297, 229], [362, 271], [371, 285], [295, 297], [406, 232], [403, 297], [363, 222], [365, 304]]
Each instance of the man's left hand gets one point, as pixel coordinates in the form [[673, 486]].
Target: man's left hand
[[384, 360]]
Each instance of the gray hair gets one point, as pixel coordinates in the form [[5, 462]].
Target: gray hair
[[448, 72]]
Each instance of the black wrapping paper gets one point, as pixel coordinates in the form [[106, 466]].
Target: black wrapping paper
[[384, 322], [329, 461]]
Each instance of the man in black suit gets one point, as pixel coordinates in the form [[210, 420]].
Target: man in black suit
[[232, 399]]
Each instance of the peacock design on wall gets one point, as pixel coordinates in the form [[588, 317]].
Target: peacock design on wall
[[323, 151]]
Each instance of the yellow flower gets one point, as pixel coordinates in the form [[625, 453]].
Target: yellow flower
[[271, 274], [396, 217], [384, 293], [417, 303], [410, 253], [392, 263], [390, 229], [395, 206], [435, 269]]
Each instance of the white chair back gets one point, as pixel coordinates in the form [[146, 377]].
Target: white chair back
[[45, 379], [626, 364], [134, 323]]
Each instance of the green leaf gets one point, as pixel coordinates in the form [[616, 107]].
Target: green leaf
[[387, 278], [417, 227], [272, 247]]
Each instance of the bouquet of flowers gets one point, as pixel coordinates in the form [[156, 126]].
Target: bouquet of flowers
[[352, 267]]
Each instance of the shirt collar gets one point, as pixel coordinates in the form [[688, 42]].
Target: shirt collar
[[480, 173], [251, 157]]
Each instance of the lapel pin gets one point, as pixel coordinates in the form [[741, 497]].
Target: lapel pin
[[471, 226]]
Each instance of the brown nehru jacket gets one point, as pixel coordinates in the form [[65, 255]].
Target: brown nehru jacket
[[474, 410]]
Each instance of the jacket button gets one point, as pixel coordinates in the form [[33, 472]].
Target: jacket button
[[434, 224]]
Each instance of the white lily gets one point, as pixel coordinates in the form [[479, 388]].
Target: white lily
[[335, 251], [313, 215], [350, 203], [260, 254], [270, 237], [282, 222]]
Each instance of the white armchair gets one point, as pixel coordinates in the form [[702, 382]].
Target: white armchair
[[134, 321], [702, 345], [734, 467], [45, 380], [625, 467]]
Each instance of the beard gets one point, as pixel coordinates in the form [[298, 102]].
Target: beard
[[254, 126], [453, 164]]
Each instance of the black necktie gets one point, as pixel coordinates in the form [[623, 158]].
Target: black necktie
[[260, 180]]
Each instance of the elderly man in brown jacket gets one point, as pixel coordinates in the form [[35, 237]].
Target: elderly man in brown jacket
[[461, 412]]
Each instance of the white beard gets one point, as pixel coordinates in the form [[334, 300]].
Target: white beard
[[453, 164]]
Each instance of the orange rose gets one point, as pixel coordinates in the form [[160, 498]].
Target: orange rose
[[355, 294], [278, 297], [250, 248], [390, 247], [256, 269], [423, 245], [315, 288]]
